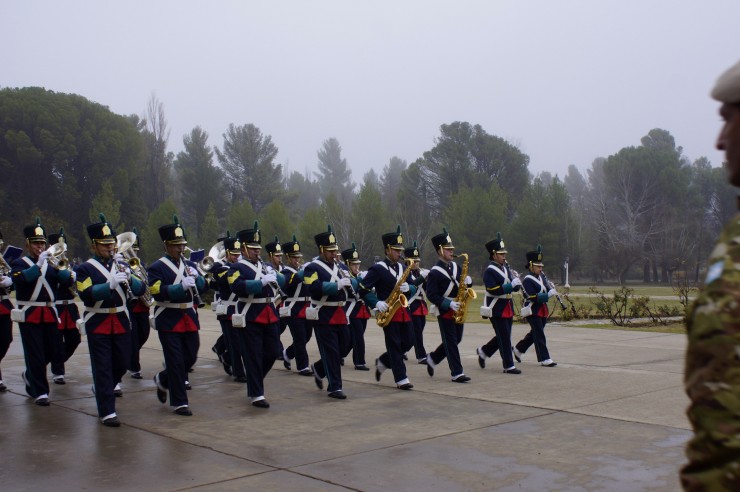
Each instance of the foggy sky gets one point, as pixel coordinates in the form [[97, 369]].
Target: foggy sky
[[566, 81]]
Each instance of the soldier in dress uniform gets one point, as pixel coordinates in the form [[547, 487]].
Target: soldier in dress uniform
[[356, 310], [229, 352], [713, 330], [417, 303], [69, 335], [500, 282], [36, 284], [104, 285], [443, 283], [256, 320], [537, 291], [375, 288], [176, 286], [294, 307], [274, 264], [328, 289], [138, 309], [6, 306]]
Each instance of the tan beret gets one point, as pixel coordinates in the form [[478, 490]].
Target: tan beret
[[727, 88]]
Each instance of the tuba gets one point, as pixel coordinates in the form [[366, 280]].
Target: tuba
[[395, 299], [125, 245], [464, 294]]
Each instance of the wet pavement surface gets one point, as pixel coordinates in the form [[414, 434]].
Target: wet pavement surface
[[609, 417]]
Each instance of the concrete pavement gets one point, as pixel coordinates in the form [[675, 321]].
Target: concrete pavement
[[609, 417]]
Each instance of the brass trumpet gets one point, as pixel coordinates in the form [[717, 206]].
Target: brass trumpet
[[125, 245], [58, 255]]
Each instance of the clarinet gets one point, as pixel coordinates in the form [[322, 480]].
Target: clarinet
[[550, 285], [126, 286], [193, 290]]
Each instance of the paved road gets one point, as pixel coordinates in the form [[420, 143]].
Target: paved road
[[609, 417]]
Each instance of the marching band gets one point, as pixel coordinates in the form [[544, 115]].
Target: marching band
[[255, 301]]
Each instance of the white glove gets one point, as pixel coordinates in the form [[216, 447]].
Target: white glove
[[516, 282], [73, 274], [42, 258], [188, 282], [455, 306], [552, 293], [468, 281], [404, 287], [269, 279], [5, 281], [118, 278], [192, 272], [381, 306], [424, 272], [344, 282], [118, 257]]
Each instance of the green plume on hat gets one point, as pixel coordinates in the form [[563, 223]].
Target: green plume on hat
[[498, 236], [256, 224], [539, 248], [38, 221], [398, 229], [294, 239], [176, 219], [353, 245], [102, 217], [276, 239], [328, 228]]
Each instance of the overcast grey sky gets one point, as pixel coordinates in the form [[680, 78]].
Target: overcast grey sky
[[566, 81]]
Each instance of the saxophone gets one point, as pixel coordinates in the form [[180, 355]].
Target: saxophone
[[395, 299], [464, 294]]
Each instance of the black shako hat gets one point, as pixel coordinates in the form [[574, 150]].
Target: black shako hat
[[350, 255], [274, 247], [496, 245], [231, 244], [102, 232], [250, 238], [292, 248], [54, 238], [534, 257], [173, 233], [393, 240], [442, 240], [35, 232], [412, 253], [326, 240]]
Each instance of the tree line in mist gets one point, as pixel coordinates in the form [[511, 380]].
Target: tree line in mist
[[643, 212]]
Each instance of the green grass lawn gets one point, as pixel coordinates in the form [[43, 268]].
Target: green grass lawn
[[584, 302]]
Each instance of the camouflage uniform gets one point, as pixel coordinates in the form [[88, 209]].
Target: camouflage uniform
[[712, 376]]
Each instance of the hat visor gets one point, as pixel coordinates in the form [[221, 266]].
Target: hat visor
[[234, 251], [36, 239], [448, 246], [107, 240], [397, 248], [177, 241], [295, 255], [253, 245], [354, 261], [501, 251], [333, 247], [539, 264]]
